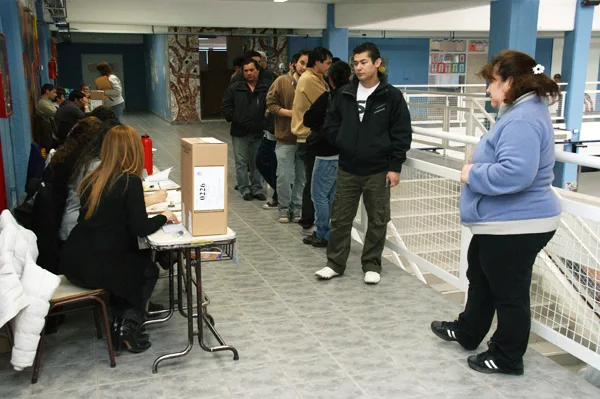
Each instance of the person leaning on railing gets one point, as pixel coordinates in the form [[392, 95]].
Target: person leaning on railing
[[508, 203]]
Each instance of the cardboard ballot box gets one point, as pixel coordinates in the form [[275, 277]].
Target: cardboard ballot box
[[204, 185], [96, 99]]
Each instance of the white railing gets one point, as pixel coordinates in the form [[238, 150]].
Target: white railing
[[422, 97], [425, 236]]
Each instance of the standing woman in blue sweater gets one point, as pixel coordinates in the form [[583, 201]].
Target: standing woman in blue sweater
[[508, 203]]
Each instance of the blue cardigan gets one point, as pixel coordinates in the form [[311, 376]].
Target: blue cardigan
[[509, 186]]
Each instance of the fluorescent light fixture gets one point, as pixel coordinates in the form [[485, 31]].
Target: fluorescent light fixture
[[279, 1]]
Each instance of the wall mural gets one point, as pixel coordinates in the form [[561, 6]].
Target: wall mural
[[31, 56], [184, 63]]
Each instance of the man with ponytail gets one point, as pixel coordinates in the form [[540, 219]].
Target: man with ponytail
[[508, 203]]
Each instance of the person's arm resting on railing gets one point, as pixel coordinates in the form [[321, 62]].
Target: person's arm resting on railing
[[518, 158]]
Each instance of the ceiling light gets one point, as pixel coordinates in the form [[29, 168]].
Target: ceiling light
[[279, 1]]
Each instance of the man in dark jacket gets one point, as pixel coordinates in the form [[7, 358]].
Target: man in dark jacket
[[244, 105], [69, 113], [369, 122], [326, 154]]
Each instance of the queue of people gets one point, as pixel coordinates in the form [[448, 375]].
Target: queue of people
[[341, 138]]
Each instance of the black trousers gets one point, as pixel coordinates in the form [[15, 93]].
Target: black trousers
[[308, 209], [499, 273], [266, 163]]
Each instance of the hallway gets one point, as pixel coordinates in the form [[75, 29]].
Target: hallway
[[297, 337]]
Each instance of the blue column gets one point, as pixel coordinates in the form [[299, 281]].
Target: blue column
[[513, 25], [19, 122], [335, 39], [44, 42], [574, 71]]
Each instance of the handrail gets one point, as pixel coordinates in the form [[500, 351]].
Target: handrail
[[445, 93], [561, 156]]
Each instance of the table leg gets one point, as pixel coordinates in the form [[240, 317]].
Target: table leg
[[190, 316], [171, 309], [204, 317]]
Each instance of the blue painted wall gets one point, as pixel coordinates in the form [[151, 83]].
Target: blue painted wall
[[408, 59], [296, 44], [543, 53], [70, 75], [15, 132], [157, 75]]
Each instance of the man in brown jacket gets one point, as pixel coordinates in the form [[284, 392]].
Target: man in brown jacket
[[289, 166], [310, 87]]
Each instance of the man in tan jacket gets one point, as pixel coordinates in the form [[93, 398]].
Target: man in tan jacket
[[310, 87], [289, 166]]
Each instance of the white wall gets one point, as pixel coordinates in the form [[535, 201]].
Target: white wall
[[247, 14], [554, 15], [593, 60]]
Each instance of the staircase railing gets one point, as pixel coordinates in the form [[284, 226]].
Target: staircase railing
[[425, 233]]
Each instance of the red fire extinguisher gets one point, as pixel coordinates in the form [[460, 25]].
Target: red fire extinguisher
[[147, 143], [52, 70]]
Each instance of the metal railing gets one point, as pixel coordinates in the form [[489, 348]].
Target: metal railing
[[425, 236], [428, 102]]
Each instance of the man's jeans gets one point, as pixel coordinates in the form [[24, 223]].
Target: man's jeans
[[266, 163], [323, 191], [290, 170], [241, 145]]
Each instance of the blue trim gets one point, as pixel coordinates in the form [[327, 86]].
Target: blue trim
[[513, 25], [574, 71], [18, 138], [335, 39]]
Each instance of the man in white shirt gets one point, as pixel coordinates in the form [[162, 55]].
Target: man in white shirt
[[369, 122]]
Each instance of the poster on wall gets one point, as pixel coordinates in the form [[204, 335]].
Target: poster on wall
[[479, 46]]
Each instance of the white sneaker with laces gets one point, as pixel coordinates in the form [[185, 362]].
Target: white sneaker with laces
[[326, 273], [372, 277]]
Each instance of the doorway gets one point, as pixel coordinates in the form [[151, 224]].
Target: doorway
[[215, 75]]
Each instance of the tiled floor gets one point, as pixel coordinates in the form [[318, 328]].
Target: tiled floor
[[297, 337]]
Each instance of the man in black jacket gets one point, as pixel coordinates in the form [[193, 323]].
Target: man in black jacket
[[69, 114], [369, 122], [244, 105]]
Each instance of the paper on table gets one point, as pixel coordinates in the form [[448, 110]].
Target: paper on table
[[159, 176]]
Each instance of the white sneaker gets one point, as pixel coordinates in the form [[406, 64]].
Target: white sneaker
[[372, 277], [326, 273]]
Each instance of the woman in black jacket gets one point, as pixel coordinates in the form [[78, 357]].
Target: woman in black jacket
[[102, 250], [326, 155]]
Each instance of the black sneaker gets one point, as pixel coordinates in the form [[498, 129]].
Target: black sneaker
[[310, 240], [446, 330], [320, 243], [486, 362], [260, 197], [248, 197]]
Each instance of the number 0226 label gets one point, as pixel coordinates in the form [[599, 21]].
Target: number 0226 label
[[209, 188]]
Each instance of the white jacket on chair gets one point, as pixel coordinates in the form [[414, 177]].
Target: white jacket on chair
[[25, 289]]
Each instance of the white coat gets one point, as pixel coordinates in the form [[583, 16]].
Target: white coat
[[25, 289]]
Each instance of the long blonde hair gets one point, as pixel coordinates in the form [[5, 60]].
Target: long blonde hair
[[121, 153]]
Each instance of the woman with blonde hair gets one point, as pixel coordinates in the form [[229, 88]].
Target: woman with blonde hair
[[102, 250], [508, 203], [112, 87]]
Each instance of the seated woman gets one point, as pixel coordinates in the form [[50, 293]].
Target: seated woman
[[102, 250], [88, 161]]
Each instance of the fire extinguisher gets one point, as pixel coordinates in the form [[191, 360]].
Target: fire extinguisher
[[52, 70], [147, 143]]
